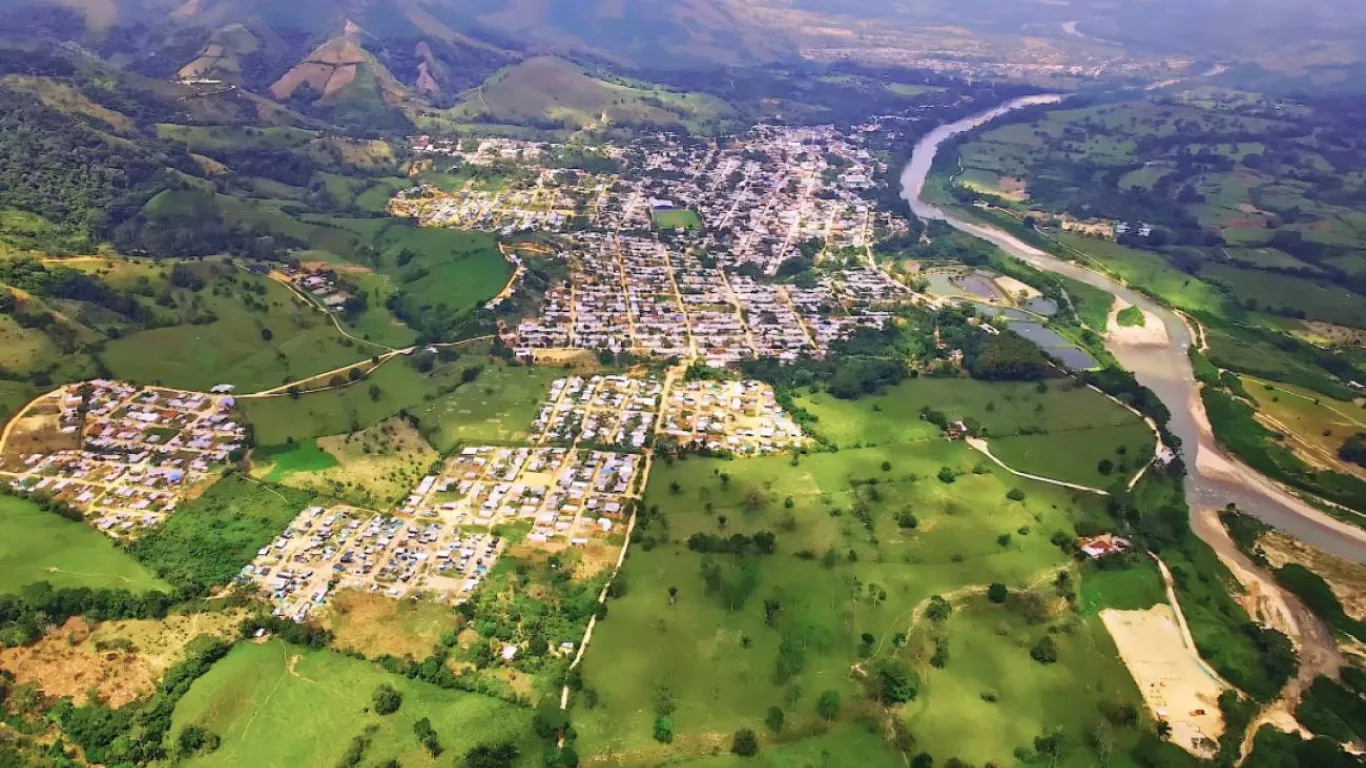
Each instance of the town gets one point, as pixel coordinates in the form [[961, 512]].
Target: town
[[122, 455]]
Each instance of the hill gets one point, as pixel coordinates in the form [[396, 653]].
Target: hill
[[549, 92]]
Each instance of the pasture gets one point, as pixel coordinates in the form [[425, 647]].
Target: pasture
[[1004, 409], [860, 544], [1319, 424], [42, 546], [275, 704], [1098, 457], [1316, 300], [373, 468], [991, 698], [497, 404], [278, 341]]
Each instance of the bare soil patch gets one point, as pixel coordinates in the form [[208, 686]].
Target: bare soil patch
[[121, 661], [1174, 684], [375, 625]]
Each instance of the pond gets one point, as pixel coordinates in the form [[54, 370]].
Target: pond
[[1042, 306], [1055, 345]]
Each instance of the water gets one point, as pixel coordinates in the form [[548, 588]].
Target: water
[[1166, 370], [1049, 341]]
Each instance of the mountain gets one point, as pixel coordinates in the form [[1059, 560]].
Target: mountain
[[549, 92], [337, 70]]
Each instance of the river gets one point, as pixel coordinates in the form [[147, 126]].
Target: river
[[1214, 479]]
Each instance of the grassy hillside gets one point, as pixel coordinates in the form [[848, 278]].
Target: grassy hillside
[[549, 92]]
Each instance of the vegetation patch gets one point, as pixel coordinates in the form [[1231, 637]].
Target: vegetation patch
[[262, 701], [209, 539], [38, 545], [1130, 317], [112, 662], [373, 468]]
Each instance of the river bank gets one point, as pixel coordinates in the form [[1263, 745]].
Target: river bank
[[1214, 479]]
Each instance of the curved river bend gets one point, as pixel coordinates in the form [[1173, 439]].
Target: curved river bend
[[1214, 480]]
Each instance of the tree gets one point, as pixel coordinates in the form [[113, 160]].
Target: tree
[[997, 593], [946, 475], [938, 609], [375, 392], [896, 683], [1015, 494], [744, 743], [550, 721], [1045, 651], [1105, 466], [387, 699], [500, 755], [266, 334], [664, 730], [829, 705], [673, 595], [774, 720]]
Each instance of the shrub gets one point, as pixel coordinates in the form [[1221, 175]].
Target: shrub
[[744, 743], [1045, 651], [387, 699]]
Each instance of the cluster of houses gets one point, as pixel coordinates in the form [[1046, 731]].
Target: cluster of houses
[[632, 288], [326, 549], [476, 151], [139, 451], [615, 411], [565, 494], [633, 294], [764, 192], [532, 206], [740, 417], [321, 284]]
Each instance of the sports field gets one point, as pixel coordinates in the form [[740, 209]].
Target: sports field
[[42, 546], [677, 219], [275, 704]]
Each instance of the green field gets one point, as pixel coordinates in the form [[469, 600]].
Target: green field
[[1074, 456], [988, 653], [233, 348], [43, 546], [676, 219], [303, 456], [1147, 270], [208, 540], [497, 408], [714, 652], [1317, 300], [1003, 408], [1092, 304], [1135, 588], [274, 704], [448, 410]]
